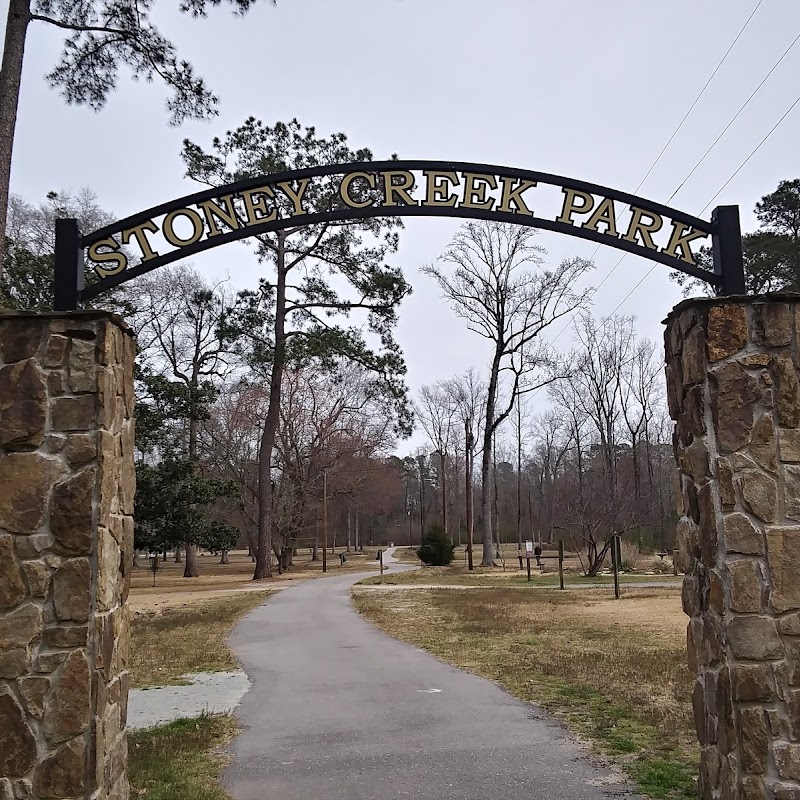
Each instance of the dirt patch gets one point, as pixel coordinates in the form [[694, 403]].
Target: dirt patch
[[168, 644]]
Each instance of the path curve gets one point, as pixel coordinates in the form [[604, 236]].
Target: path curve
[[340, 711]]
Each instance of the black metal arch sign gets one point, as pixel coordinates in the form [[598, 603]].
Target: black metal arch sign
[[341, 192]]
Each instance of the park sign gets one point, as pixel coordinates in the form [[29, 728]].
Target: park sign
[[332, 194]]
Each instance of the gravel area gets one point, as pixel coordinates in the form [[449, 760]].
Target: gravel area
[[209, 693]]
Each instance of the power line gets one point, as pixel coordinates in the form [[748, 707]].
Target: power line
[[594, 290], [713, 145], [755, 150], [721, 189], [641, 281], [697, 99], [736, 116]]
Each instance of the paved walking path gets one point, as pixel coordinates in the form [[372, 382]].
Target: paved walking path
[[340, 711]]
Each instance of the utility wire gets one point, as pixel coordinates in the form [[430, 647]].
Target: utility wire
[[594, 290], [738, 170], [641, 281], [736, 116], [697, 99], [755, 150], [721, 189]]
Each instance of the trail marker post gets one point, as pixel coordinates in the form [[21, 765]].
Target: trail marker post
[[615, 553], [325, 520]]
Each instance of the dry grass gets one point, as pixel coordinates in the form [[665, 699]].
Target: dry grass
[[407, 555], [615, 671], [220, 580], [459, 575], [167, 645]]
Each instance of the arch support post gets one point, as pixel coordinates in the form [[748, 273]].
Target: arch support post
[[733, 391], [726, 242], [68, 277]]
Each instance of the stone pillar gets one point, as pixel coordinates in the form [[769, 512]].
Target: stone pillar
[[732, 377], [66, 537]]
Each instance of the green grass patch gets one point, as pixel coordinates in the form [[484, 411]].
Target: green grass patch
[[179, 761], [659, 769]]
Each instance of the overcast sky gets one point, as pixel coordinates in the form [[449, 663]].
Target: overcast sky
[[587, 89]]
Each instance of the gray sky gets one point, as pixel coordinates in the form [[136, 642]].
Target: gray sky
[[586, 89]]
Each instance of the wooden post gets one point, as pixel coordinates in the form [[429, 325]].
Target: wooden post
[[325, 520], [615, 564], [561, 563], [468, 494], [528, 562], [380, 556]]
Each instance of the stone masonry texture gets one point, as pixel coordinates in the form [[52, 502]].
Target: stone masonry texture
[[733, 391], [66, 543]]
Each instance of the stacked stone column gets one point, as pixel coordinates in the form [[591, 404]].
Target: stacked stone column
[[733, 390], [66, 537]]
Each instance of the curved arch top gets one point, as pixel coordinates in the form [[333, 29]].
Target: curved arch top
[[337, 193]]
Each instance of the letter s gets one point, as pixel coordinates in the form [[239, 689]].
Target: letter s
[[113, 256]]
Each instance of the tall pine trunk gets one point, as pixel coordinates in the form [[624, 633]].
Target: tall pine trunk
[[19, 16], [263, 563]]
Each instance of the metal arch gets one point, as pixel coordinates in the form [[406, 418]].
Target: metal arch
[[712, 228]]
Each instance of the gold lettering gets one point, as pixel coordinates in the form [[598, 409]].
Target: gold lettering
[[401, 189], [438, 192], [169, 230], [214, 212], [513, 194], [344, 189], [256, 209], [570, 207], [113, 255], [646, 229], [138, 233], [296, 196], [475, 188], [604, 215], [681, 236]]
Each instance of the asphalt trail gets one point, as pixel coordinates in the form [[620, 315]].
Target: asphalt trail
[[340, 711]]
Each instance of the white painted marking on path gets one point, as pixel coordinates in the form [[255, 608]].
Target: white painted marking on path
[[429, 691]]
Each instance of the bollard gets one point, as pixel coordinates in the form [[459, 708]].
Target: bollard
[[561, 563]]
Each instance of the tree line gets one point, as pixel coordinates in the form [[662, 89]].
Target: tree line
[[250, 402]]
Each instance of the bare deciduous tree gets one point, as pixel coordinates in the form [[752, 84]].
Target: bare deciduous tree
[[435, 411], [493, 277]]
